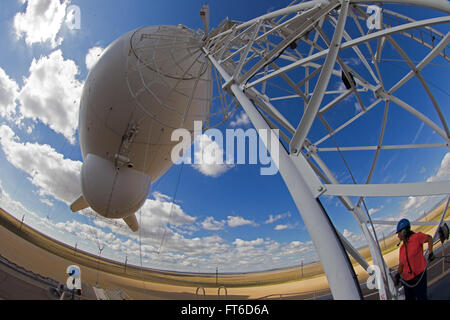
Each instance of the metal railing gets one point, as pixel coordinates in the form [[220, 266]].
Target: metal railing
[[204, 293], [441, 261], [226, 292]]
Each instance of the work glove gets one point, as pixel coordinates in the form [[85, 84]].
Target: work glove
[[431, 257], [397, 279]]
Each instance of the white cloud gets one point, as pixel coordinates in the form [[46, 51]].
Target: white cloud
[[13, 207], [298, 247], [52, 94], [413, 207], [93, 56], [209, 157], [443, 171], [96, 236], [340, 86], [281, 227], [242, 243], [195, 254], [8, 95], [211, 224], [161, 197], [242, 119], [53, 175], [357, 240], [375, 210], [277, 217], [413, 203], [237, 221], [161, 212], [41, 21], [157, 219], [352, 61], [47, 202]]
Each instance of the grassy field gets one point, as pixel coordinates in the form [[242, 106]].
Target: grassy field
[[138, 275]]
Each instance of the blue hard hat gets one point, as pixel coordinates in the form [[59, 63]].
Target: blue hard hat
[[402, 224]]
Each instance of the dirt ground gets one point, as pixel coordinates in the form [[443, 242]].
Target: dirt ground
[[33, 251]]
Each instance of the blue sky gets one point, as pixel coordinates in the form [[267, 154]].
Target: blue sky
[[235, 218]]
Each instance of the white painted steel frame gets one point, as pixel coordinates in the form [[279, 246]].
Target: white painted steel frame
[[335, 262], [313, 106], [242, 40]]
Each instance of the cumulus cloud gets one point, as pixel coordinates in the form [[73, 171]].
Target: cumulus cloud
[[266, 253], [352, 61], [237, 221], [357, 240], [41, 21], [273, 218], [15, 208], [211, 224], [157, 218], [161, 243], [232, 221], [176, 252], [443, 171], [242, 243], [54, 175], [375, 210], [209, 157], [52, 94], [93, 56], [8, 95], [161, 211], [413, 207], [281, 227], [242, 119], [414, 203], [161, 197], [357, 107]]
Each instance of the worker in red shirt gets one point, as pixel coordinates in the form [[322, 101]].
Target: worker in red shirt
[[412, 266]]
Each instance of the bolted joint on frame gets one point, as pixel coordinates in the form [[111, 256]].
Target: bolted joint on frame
[[227, 85], [380, 93], [310, 148]]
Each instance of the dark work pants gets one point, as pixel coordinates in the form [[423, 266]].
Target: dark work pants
[[419, 291]]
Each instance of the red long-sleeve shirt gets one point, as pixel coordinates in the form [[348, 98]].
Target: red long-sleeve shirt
[[414, 247]]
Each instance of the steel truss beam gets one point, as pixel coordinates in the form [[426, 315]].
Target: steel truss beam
[[337, 267], [253, 56]]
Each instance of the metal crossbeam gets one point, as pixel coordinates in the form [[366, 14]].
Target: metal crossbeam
[[389, 190]]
